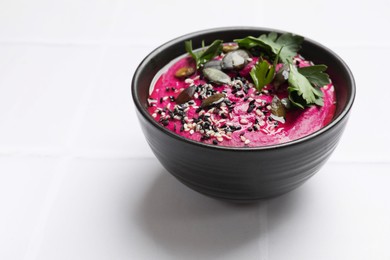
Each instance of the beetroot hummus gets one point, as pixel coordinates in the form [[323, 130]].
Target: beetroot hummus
[[220, 102]]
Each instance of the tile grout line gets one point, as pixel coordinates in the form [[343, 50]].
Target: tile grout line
[[37, 238]]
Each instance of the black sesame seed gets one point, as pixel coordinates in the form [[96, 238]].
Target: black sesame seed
[[250, 129], [246, 98], [215, 142], [165, 122], [182, 128], [251, 107]]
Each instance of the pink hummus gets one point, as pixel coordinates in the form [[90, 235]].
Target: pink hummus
[[243, 119]]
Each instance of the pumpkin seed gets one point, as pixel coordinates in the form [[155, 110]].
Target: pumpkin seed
[[216, 64], [278, 111], [213, 100], [184, 72], [235, 60], [281, 77], [229, 47], [186, 95], [216, 76]]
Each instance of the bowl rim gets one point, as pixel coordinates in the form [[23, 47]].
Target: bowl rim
[[335, 121]]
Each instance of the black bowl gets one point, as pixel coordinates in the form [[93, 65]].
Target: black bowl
[[242, 173]]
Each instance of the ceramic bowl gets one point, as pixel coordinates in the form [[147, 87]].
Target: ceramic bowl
[[242, 174]]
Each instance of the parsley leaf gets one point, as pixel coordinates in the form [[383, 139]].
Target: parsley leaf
[[315, 74], [250, 42], [203, 56], [272, 43], [263, 73], [301, 92]]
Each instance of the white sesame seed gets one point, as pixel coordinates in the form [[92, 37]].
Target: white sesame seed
[[151, 101], [207, 114], [265, 91], [189, 81], [258, 100], [201, 131], [244, 121], [242, 138], [219, 138], [247, 141], [185, 110], [269, 107], [201, 112], [258, 112], [154, 115], [250, 99], [165, 98], [196, 95], [227, 136], [191, 131], [262, 123], [249, 59]]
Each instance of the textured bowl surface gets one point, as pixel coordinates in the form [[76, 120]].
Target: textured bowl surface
[[242, 173]]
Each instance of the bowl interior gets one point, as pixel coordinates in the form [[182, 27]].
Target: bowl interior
[[337, 69]]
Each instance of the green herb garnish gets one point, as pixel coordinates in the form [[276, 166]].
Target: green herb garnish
[[263, 73], [203, 56], [315, 74], [304, 83], [301, 91], [272, 43]]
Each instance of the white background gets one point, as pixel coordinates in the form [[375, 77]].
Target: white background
[[78, 180]]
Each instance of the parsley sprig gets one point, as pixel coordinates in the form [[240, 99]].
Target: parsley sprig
[[206, 54], [263, 73], [304, 83]]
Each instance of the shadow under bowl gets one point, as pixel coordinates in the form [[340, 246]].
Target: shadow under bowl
[[242, 174]]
